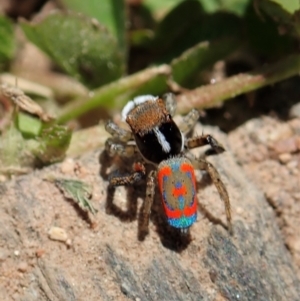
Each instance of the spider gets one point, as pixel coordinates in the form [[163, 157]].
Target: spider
[[158, 141]]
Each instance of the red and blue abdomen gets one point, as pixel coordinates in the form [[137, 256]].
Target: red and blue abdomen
[[177, 185]]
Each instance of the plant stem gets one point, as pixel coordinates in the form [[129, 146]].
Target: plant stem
[[110, 95], [212, 95], [115, 94]]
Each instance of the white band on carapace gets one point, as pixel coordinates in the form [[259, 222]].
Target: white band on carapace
[[135, 102], [162, 140]]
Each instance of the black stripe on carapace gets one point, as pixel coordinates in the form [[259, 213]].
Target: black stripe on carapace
[[151, 148]]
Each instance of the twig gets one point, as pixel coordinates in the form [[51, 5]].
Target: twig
[[108, 96], [212, 95]]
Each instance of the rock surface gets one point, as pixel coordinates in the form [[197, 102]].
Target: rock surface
[[104, 260]]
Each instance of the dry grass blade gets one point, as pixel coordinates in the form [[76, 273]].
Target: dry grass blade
[[77, 191]]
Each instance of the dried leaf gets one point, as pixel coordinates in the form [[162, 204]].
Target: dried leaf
[[24, 102]]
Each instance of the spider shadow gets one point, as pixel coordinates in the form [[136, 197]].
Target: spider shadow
[[204, 182], [129, 213], [84, 215], [170, 237]]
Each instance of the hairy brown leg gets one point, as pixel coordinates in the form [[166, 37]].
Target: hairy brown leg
[[202, 140], [113, 148], [117, 132], [203, 164], [189, 121], [138, 172], [146, 209]]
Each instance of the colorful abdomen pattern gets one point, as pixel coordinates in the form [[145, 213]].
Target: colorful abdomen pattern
[[177, 185]]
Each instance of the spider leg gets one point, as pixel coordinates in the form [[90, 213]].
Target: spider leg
[[189, 121], [146, 209], [138, 172], [117, 132], [202, 164], [170, 103], [113, 148], [216, 147]]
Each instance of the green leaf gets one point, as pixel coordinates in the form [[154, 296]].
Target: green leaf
[[12, 147], [285, 13], [53, 143], [110, 13], [28, 125], [199, 57], [199, 27], [168, 32], [141, 38], [158, 6], [291, 6], [28, 141], [269, 42], [77, 191], [7, 45], [237, 7], [79, 45]]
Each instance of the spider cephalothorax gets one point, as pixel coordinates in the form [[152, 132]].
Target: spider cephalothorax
[[156, 134], [162, 143]]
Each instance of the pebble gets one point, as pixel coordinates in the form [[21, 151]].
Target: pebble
[[68, 166], [40, 252], [285, 158], [125, 288], [69, 242], [23, 266], [295, 110], [57, 233], [292, 164], [295, 125], [288, 145], [280, 132], [294, 243]]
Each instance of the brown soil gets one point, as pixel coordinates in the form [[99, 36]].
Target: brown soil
[[101, 258]]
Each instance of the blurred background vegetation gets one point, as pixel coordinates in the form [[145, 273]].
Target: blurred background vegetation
[[65, 65]]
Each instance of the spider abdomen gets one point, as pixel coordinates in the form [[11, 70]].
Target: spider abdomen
[[177, 186]]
